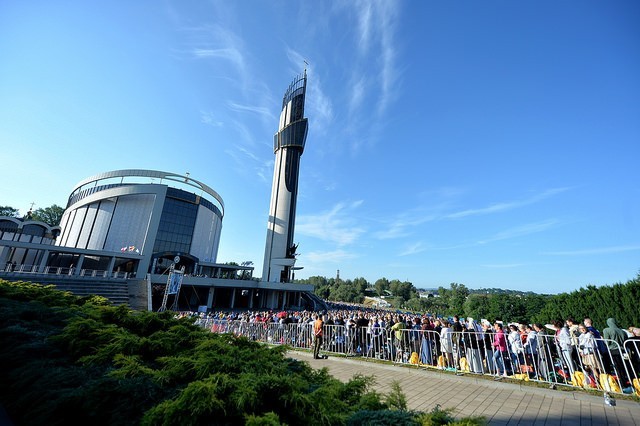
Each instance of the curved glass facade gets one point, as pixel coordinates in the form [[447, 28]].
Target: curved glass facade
[[177, 223]]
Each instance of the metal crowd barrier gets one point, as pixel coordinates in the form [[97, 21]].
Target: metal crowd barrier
[[602, 365]]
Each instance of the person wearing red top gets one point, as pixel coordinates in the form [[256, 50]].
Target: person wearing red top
[[500, 345]]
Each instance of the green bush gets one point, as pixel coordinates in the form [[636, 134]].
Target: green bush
[[71, 360]]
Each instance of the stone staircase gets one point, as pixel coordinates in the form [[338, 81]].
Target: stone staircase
[[116, 292]]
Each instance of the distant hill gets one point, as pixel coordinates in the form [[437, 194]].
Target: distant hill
[[484, 291], [501, 291]]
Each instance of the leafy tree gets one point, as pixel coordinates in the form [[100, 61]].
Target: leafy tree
[[404, 290], [321, 286], [381, 285], [477, 306], [8, 211], [50, 215], [619, 301], [418, 304], [361, 285], [345, 291], [454, 297]]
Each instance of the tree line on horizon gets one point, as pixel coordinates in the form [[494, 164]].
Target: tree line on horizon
[[619, 301], [50, 215]]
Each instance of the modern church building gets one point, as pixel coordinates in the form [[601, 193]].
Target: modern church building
[[123, 233], [155, 215]]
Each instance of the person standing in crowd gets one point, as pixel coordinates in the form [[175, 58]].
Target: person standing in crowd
[[446, 342], [602, 347], [350, 335], [615, 337], [588, 349], [361, 332], [317, 335], [472, 351], [515, 346], [437, 330], [426, 351], [399, 335], [574, 332], [532, 359], [563, 340], [500, 350], [415, 335], [375, 331], [544, 351], [457, 329], [487, 346]]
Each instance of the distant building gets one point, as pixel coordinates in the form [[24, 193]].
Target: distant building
[[25, 233]]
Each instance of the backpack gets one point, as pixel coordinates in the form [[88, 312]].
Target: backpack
[[609, 383], [464, 364], [442, 361], [415, 359], [578, 379], [636, 386]]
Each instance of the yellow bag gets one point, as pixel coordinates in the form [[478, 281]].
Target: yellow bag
[[578, 379], [464, 364], [442, 361], [636, 386], [608, 383], [415, 358], [521, 376]]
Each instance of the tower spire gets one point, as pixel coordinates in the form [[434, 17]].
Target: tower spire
[[288, 145]]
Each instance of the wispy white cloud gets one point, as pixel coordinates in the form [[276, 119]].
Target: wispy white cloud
[[262, 111], [408, 223], [230, 54], [217, 42], [247, 162], [413, 249], [208, 117], [395, 230], [336, 225], [365, 17], [248, 153], [357, 94], [377, 24], [509, 205], [520, 231], [388, 73], [598, 250], [322, 257]]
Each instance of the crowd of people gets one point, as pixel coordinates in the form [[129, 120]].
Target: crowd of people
[[563, 351]]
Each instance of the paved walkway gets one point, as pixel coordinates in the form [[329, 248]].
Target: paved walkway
[[500, 403]]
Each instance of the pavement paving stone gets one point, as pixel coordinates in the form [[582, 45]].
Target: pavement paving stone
[[500, 402]]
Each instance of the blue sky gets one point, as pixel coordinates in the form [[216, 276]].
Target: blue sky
[[493, 144]]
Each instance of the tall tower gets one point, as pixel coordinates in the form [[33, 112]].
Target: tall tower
[[288, 144]]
